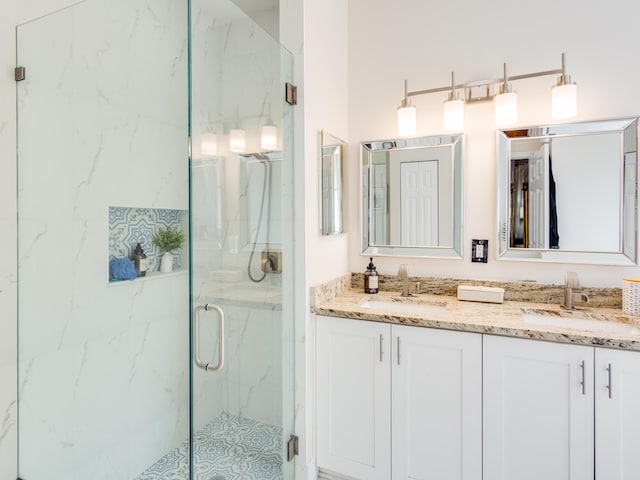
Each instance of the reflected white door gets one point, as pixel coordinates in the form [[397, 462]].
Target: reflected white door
[[380, 201], [419, 203], [629, 207], [539, 198]]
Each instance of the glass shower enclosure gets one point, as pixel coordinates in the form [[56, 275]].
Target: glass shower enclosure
[[241, 246], [181, 375]]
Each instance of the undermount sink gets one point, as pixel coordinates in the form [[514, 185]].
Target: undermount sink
[[391, 306], [576, 319]]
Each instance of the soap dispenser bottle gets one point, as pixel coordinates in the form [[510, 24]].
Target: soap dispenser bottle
[[140, 260], [371, 278]]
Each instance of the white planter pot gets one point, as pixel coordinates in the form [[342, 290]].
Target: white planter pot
[[166, 262]]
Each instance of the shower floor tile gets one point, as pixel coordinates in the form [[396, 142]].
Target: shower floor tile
[[227, 448]]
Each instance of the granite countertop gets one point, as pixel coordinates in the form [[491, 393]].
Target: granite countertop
[[447, 312]]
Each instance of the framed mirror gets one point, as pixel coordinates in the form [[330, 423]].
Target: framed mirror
[[568, 193], [411, 195], [331, 220]]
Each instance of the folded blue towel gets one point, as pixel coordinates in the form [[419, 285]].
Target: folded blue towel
[[122, 269]]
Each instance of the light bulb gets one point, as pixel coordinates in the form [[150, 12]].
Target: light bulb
[[454, 115], [406, 121], [506, 108], [237, 142], [209, 144], [269, 137], [564, 101]]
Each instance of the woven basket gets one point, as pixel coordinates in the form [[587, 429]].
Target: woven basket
[[631, 296]]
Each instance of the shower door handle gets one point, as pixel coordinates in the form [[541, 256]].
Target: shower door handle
[[208, 366]]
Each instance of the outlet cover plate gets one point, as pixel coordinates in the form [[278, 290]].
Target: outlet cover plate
[[479, 251]]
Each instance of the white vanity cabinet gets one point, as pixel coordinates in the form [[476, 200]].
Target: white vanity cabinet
[[353, 402], [617, 400], [538, 402], [436, 391], [396, 395]]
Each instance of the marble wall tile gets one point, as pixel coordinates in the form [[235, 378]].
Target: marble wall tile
[[103, 370], [8, 248]]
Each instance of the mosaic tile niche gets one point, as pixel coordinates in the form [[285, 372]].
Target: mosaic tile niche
[[128, 226]]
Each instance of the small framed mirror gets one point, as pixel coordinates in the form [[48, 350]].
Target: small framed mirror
[[331, 219], [568, 193], [411, 192]]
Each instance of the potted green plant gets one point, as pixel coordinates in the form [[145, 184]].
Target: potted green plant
[[167, 240]]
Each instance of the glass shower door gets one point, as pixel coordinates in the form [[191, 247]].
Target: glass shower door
[[103, 373], [241, 215]]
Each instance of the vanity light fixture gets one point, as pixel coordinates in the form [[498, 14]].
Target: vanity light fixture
[[237, 142], [406, 115], [499, 90], [454, 110]]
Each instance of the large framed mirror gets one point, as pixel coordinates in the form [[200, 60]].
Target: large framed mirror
[[411, 193], [568, 193]]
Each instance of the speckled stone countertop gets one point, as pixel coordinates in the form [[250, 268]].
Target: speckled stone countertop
[[447, 312]]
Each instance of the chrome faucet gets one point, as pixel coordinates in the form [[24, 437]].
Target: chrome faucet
[[403, 274], [572, 289]]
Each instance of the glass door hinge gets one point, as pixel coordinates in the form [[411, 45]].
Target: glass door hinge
[[292, 447], [291, 94], [20, 74]]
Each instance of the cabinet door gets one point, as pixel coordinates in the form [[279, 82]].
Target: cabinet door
[[436, 404], [353, 411], [617, 384], [538, 410]]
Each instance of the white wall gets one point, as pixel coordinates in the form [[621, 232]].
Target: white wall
[[316, 32], [325, 108], [424, 41], [326, 103]]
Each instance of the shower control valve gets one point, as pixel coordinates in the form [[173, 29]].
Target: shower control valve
[[272, 261]]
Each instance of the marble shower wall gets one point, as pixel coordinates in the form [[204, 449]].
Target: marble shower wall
[[8, 263], [103, 371]]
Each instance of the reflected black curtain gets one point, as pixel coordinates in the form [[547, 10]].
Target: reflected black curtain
[[554, 238]]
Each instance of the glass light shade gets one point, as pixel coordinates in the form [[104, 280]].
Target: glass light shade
[[506, 108], [209, 144], [454, 115], [406, 121], [269, 137], [564, 101], [237, 143]]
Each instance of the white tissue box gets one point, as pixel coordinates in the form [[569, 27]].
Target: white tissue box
[[477, 293]]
